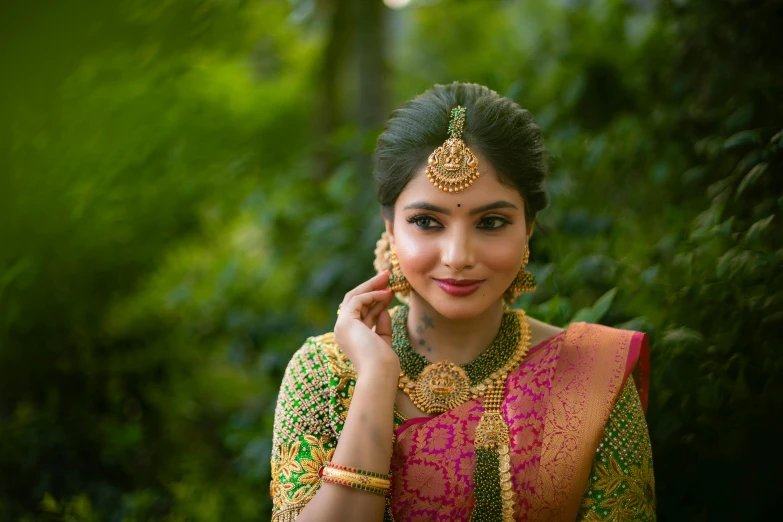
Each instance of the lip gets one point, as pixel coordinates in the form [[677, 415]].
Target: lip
[[459, 287]]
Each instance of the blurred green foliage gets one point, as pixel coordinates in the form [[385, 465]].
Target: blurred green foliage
[[185, 195]]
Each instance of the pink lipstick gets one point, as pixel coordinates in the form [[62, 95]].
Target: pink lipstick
[[459, 287]]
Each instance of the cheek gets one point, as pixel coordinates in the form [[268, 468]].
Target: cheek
[[507, 259], [416, 254]]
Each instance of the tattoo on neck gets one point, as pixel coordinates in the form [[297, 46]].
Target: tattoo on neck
[[428, 322]]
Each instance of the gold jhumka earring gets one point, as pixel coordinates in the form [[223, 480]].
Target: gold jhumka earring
[[386, 259], [522, 283]]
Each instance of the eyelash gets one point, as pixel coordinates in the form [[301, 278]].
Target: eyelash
[[419, 219]]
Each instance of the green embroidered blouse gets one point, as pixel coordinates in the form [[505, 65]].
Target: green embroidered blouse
[[313, 403]]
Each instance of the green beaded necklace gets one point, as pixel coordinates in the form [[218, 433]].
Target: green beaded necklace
[[435, 388], [413, 363]]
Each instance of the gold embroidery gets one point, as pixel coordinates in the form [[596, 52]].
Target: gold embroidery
[[642, 486], [343, 380], [301, 404], [338, 363], [297, 479], [288, 464], [302, 439], [622, 484], [312, 466], [288, 513]]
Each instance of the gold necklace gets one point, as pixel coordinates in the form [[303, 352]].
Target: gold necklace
[[438, 387]]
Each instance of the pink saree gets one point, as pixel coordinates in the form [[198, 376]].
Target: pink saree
[[557, 403]]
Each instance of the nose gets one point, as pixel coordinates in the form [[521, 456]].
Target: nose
[[457, 251]]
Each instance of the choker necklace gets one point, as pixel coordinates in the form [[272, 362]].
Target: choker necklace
[[438, 387]]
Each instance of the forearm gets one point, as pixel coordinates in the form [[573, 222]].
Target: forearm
[[366, 443]]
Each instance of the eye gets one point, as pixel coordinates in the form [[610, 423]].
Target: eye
[[424, 222], [493, 222]]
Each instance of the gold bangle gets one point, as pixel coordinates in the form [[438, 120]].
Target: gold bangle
[[358, 470], [356, 478]]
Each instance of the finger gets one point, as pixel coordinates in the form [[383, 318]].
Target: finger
[[378, 282], [359, 305], [375, 310], [383, 326], [371, 316]]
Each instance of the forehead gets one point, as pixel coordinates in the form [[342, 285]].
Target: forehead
[[486, 189]]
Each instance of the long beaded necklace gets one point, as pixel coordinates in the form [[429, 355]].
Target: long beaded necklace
[[438, 387]]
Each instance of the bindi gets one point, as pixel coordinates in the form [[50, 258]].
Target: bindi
[[459, 205]]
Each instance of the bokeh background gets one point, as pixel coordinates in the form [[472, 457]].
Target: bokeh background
[[186, 194]]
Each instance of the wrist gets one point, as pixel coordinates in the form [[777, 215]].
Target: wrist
[[381, 374]]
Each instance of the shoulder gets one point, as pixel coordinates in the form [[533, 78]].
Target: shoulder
[[314, 367], [316, 390], [331, 358], [627, 351], [318, 356], [541, 331], [604, 343], [599, 337], [303, 400]]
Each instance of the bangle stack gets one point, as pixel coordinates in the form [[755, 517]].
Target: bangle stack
[[356, 478]]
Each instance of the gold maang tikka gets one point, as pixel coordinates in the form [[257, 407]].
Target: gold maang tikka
[[453, 167]]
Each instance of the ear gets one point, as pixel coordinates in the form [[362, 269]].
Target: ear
[[389, 224], [530, 227]]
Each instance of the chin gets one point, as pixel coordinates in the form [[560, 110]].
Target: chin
[[456, 308]]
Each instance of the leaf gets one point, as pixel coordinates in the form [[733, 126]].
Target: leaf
[[694, 175], [49, 504], [777, 140], [603, 303], [719, 186], [739, 260], [740, 117], [583, 315], [595, 313], [752, 177], [683, 335], [724, 262], [758, 228], [640, 324], [740, 391], [724, 229], [750, 160], [742, 139]]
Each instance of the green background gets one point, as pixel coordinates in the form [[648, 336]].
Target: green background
[[186, 194]]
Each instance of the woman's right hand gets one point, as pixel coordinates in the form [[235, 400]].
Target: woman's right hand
[[362, 308]]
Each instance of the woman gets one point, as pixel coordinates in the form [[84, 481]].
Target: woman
[[454, 407]]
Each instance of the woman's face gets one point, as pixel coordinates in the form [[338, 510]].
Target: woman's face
[[460, 252]]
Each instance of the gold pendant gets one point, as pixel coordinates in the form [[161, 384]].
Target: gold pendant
[[441, 387], [492, 431], [452, 167]]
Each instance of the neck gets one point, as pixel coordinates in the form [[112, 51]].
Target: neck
[[460, 341]]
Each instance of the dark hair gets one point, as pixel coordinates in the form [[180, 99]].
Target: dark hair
[[495, 126]]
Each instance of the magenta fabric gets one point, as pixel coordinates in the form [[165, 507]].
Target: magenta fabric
[[434, 457]]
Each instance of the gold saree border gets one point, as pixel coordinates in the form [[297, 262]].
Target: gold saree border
[[590, 373]]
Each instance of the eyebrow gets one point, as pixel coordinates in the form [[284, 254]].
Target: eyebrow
[[422, 205], [493, 206]]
